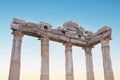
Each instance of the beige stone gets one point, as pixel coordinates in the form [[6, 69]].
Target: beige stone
[[105, 28], [71, 34], [14, 73], [44, 58], [89, 63], [45, 26], [18, 21], [107, 65], [68, 61]]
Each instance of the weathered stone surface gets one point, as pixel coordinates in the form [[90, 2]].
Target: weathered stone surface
[[14, 73], [73, 27], [107, 65], [18, 21], [105, 28], [69, 62], [45, 26], [71, 34], [15, 26], [32, 25], [44, 58], [40, 29], [88, 35], [69, 30], [97, 38], [89, 63], [70, 26], [57, 32]]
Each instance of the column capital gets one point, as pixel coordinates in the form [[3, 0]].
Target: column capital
[[68, 46], [45, 38], [88, 49], [105, 42], [18, 35]]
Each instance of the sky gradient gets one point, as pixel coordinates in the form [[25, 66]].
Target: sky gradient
[[90, 14]]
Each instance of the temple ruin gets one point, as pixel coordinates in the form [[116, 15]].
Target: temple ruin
[[71, 34]]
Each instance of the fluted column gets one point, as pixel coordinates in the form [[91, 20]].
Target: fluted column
[[14, 73], [108, 72], [89, 63], [69, 62], [44, 58]]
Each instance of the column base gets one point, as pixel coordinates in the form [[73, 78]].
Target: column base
[[44, 77]]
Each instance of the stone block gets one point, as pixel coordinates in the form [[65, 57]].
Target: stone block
[[53, 36], [45, 26], [81, 29], [57, 32], [71, 35], [105, 28], [70, 31], [63, 38], [70, 25], [18, 21], [32, 25], [78, 42], [15, 26]]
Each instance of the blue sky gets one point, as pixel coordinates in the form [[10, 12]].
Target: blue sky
[[90, 14]]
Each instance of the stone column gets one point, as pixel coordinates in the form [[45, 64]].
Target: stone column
[[14, 73], [89, 63], [108, 72], [69, 62], [44, 58]]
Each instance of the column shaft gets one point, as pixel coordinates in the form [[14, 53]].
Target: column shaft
[[14, 73], [44, 58], [108, 72], [69, 62], [89, 63]]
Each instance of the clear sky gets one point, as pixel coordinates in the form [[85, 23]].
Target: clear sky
[[90, 14]]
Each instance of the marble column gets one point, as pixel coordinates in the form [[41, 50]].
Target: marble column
[[14, 73], [69, 62], [108, 72], [89, 63], [44, 58]]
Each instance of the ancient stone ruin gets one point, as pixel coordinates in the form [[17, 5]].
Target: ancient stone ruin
[[71, 34]]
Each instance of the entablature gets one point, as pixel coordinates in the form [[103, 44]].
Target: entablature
[[70, 32]]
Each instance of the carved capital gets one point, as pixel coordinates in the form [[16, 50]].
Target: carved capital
[[44, 40], [88, 49], [17, 35], [105, 42], [68, 46]]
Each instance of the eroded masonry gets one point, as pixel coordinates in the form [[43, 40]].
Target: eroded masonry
[[71, 34]]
